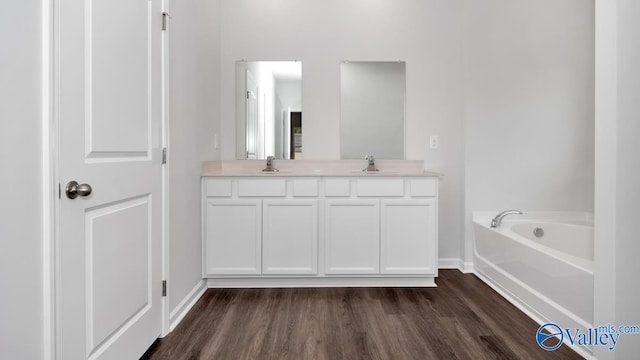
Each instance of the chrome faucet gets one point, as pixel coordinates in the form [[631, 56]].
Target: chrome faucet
[[270, 167], [372, 163], [498, 219]]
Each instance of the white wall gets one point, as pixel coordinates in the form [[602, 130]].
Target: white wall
[[21, 205], [321, 34], [290, 93], [628, 175], [194, 120], [617, 171], [425, 34], [528, 106]]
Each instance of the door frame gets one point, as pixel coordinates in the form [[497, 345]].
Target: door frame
[[165, 122], [50, 208], [51, 182]]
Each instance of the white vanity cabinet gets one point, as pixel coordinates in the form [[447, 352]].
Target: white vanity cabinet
[[250, 227], [363, 230], [386, 226]]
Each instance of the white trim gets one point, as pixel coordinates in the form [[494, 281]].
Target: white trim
[[291, 282], [49, 174], [166, 229], [606, 290], [449, 263], [55, 173], [466, 267], [456, 263], [186, 304]]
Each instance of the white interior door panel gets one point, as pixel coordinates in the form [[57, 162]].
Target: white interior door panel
[[109, 248]]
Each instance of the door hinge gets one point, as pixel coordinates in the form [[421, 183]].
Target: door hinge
[[164, 155], [165, 19], [59, 191], [164, 287]]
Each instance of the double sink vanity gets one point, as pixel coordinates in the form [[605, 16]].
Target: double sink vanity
[[319, 223]]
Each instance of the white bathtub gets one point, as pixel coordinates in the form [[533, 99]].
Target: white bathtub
[[550, 277]]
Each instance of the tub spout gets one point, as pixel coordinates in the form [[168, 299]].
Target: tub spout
[[498, 219]]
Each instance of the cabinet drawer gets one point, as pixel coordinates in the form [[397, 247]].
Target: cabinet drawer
[[423, 187], [380, 187], [305, 187], [337, 187], [218, 188], [262, 187]]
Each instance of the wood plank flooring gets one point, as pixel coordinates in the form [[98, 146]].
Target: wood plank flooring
[[460, 319]]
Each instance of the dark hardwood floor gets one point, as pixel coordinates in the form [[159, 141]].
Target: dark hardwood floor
[[460, 319]]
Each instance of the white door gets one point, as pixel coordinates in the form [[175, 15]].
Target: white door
[[290, 237], [286, 134], [251, 111], [352, 236], [408, 237], [233, 237], [108, 288]]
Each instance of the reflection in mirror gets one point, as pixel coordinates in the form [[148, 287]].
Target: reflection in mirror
[[269, 109], [372, 110]]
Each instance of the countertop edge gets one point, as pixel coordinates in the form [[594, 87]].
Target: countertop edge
[[319, 175]]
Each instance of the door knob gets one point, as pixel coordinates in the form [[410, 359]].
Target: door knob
[[73, 189]]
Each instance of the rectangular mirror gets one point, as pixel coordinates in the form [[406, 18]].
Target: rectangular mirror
[[269, 109], [372, 110]]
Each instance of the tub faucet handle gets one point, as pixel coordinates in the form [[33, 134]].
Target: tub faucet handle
[[498, 219]]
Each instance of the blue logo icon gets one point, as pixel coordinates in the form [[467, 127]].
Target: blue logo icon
[[548, 340]]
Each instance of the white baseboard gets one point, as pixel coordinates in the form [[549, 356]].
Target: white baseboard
[[448, 263], [180, 311], [292, 282], [455, 263], [466, 267]]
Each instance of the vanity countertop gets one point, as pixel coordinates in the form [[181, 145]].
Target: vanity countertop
[[318, 168]]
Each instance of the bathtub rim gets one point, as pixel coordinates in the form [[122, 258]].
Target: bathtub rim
[[555, 215]]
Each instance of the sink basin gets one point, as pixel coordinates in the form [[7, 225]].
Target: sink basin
[[275, 172], [379, 172]]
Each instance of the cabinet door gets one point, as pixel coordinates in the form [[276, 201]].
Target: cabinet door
[[352, 237], [290, 237], [408, 236], [233, 232]]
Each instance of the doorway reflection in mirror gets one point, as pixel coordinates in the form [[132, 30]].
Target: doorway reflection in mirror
[[269, 109]]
